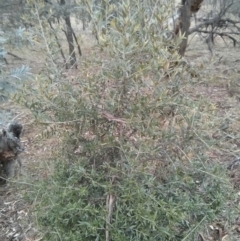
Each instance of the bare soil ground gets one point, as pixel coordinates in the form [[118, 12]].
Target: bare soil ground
[[17, 216]]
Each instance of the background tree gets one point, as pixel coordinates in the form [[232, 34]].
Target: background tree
[[53, 13], [220, 20]]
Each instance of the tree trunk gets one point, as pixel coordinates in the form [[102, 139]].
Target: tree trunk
[[188, 8], [58, 44], [73, 60], [185, 16], [70, 39]]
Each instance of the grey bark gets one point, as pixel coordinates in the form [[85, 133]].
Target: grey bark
[[70, 39], [185, 16]]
